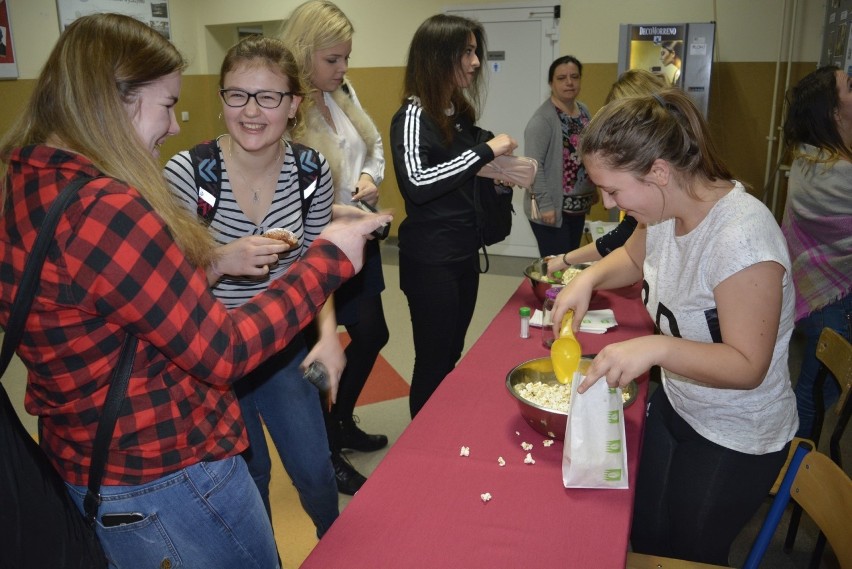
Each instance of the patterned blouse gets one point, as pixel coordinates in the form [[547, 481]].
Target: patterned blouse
[[572, 166]]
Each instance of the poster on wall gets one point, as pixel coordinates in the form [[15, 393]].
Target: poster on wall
[[155, 13], [659, 49], [8, 67]]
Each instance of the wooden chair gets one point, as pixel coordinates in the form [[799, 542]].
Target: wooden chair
[[835, 355], [817, 484], [640, 561], [824, 491]]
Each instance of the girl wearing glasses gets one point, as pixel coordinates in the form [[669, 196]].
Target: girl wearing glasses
[[259, 191], [320, 36]]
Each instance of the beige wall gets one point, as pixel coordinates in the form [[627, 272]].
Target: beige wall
[[748, 30], [749, 39]]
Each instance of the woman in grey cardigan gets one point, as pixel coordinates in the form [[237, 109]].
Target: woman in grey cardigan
[[562, 193]]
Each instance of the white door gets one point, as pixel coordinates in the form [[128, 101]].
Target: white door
[[522, 41]]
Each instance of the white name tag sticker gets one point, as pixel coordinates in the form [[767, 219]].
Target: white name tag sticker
[[206, 196]]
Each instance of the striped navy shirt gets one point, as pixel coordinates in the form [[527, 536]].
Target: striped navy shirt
[[230, 222]]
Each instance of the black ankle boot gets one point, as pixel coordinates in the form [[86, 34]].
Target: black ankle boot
[[348, 479], [351, 437]]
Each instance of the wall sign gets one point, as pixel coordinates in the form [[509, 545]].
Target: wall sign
[[155, 13], [8, 67]]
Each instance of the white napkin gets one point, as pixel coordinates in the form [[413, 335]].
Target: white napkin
[[595, 321]]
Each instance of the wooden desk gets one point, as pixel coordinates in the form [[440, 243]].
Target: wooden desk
[[421, 508]]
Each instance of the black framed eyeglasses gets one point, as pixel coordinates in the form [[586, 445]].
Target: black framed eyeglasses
[[265, 99]]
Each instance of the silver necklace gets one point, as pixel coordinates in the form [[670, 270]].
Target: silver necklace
[[255, 191]]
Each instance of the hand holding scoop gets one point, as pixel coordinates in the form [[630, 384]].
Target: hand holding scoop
[[565, 352]]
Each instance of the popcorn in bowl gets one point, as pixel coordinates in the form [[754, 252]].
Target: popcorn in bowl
[[542, 401]]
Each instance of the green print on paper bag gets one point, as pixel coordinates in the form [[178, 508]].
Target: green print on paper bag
[[612, 474]]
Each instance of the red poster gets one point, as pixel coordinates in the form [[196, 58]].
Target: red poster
[[8, 67], [7, 54]]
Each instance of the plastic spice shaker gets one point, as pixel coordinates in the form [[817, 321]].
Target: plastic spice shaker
[[525, 321]]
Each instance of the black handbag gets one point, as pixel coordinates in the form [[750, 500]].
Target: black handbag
[[494, 213], [40, 526], [493, 206]]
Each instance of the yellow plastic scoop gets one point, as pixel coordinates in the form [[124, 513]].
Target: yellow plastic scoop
[[565, 352]]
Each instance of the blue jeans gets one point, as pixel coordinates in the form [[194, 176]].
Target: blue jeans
[[838, 317], [291, 409], [206, 515]]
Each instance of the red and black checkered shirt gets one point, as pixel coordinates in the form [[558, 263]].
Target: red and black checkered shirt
[[114, 269]]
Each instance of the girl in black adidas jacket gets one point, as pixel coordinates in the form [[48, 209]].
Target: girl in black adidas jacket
[[436, 155]]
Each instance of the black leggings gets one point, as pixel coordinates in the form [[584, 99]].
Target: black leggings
[[441, 299], [369, 335], [693, 496]]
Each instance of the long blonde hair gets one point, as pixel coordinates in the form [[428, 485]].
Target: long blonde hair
[[81, 98], [635, 83], [313, 26]]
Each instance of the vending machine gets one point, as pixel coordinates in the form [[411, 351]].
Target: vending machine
[[680, 53], [836, 45]]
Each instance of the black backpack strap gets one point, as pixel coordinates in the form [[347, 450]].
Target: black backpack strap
[[106, 426], [207, 169], [308, 166]]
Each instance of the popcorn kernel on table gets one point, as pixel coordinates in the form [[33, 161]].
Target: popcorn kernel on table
[[526, 446], [465, 451], [501, 461], [547, 442], [485, 497], [529, 459]]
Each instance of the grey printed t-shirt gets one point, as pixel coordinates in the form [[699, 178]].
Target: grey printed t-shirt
[[680, 274]]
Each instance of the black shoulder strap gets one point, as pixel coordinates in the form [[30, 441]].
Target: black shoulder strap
[[15, 329], [207, 167], [308, 166]]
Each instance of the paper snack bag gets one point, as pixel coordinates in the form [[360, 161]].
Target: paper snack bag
[[595, 451]]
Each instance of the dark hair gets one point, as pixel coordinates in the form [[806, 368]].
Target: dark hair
[[674, 46], [562, 61], [812, 104], [630, 134], [433, 62]]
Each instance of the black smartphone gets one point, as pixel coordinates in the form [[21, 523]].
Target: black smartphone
[[114, 520], [383, 231]]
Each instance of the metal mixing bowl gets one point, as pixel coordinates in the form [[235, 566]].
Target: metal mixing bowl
[[549, 422], [536, 272]]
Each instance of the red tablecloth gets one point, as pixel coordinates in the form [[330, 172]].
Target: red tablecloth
[[422, 506]]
